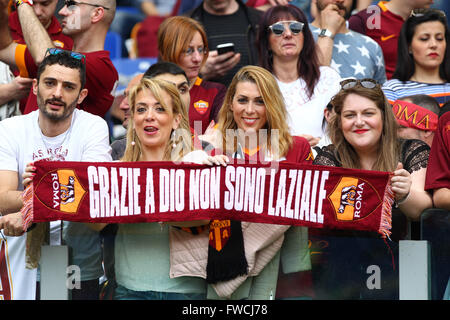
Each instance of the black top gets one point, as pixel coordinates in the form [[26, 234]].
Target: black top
[[239, 28], [414, 155]]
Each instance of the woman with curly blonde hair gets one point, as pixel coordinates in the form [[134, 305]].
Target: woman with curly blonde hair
[[175, 143], [158, 130]]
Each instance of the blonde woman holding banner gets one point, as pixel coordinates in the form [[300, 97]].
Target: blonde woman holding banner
[[252, 127], [158, 130]]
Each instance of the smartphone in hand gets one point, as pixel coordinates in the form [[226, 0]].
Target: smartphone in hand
[[225, 47]]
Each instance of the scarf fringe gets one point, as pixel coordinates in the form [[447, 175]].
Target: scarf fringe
[[218, 271], [27, 209], [35, 237], [386, 213]]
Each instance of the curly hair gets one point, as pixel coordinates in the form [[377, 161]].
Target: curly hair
[[181, 136]]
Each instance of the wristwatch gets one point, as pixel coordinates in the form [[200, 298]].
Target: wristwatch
[[19, 2], [326, 33]]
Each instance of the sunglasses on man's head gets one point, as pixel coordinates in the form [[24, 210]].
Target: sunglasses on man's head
[[69, 3], [73, 54], [278, 28], [365, 83]]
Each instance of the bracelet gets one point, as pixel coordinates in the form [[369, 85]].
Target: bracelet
[[19, 2], [403, 200]]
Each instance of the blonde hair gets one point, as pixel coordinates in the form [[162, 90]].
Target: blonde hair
[[275, 110], [388, 149], [174, 36], [181, 136]]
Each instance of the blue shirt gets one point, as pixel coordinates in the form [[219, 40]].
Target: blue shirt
[[356, 56], [164, 6]]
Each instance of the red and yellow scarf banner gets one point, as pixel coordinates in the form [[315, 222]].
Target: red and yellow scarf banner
[[414, 116], [277, 193]]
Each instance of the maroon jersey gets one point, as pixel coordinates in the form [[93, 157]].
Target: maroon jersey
[[206, 101], [384, 27], [438, 169], [300, 152], [101, 80], [54, 30]]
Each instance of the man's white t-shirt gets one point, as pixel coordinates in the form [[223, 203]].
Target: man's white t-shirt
[[305, 114], [22, 142]]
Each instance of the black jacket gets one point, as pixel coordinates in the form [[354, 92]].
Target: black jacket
[[253, 17]]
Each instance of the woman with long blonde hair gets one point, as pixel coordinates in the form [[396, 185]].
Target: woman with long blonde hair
[[252, 126], [158, 130], [180, 141], [274, 126]]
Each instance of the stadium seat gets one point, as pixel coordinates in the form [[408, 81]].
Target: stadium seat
[[128, 9], [113, 44], [128, 68], [435, 224]]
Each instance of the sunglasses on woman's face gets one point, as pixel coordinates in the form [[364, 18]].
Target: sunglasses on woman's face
[[278, 28], [365, 83]]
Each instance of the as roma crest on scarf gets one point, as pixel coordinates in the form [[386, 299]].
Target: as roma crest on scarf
[[349, 195], [201, 106], [219, 233], [66, 192]]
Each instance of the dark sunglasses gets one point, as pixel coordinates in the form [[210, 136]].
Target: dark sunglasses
[[278, 28], [365, 83], [73, 54], [423, 11], [69, 3]]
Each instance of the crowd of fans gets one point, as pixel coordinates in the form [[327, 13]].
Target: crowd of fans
[[356, 84]]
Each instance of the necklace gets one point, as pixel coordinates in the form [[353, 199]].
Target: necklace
[[55, 154]]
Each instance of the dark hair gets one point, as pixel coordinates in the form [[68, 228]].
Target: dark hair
[[425, 101], [164, 67], [64, 58], [324, 120], [405, 67], [308, 62], [445, 108]]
